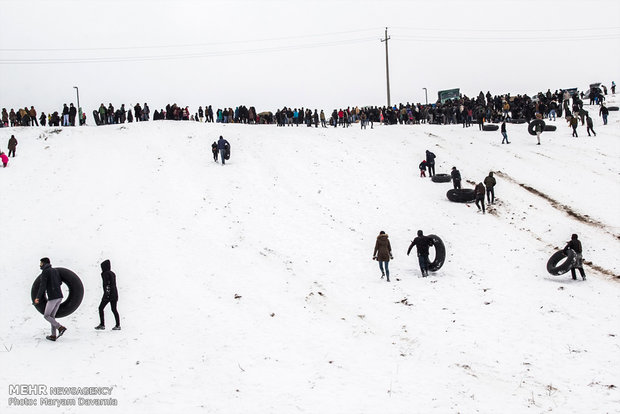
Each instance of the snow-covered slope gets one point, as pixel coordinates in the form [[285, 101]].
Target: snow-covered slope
[[250, 287]]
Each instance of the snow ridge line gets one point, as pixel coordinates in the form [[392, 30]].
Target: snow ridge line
[[559, 206]]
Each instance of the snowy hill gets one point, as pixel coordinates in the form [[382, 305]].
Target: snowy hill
[[250, 287]]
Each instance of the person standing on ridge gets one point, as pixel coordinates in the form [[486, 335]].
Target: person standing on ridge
[[422, 244], [430, 163], [489, 183], [383, 254], [575, 245], [50, 283], [110, 295]]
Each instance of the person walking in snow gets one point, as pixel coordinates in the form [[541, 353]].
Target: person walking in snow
[[383, 254], [573, 123], [50, 283], [503, 131], [604, 112], [479, 193], [613, 87], [538, 129], [430, 163], [456, 178], [214, 150], [489, 183], [4, 158], [422, 244], [110, 295], [12, 145], [590, 124], [222, 146], [575, 245], [422, 168]]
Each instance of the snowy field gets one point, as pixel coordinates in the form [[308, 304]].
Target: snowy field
[[250, 288]]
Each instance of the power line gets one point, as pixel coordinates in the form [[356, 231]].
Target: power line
[[181, 56], [179, 46], [434, 29], [423, 38]]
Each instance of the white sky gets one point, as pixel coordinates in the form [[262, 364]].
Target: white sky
[[327, 53]]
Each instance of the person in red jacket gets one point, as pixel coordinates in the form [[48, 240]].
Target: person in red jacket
[[4, 158]]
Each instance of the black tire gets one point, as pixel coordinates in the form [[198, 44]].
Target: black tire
[[440, 254], [465, 195], [517, 121], [71, 302], [550, 128], [612, 108], [227, 152], [490, 127], [561, 262], [441, 178], [531, 128]]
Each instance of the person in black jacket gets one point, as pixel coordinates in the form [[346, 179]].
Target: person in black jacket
[[456, 178], [110, 295], [422, 244], [50, 283], [430, 163], [214, 150], [575, 245]]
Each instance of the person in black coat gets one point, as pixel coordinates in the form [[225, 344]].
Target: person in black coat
[[214, 150], [422, 244], [456, 178], [430, 163], [575, 245], [50, 283], [110, 295]]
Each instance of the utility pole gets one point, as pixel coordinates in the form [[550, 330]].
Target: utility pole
[[387, 65], [426, 95], [79, 109]]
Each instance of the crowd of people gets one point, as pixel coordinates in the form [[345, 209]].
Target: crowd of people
[[483, 108]]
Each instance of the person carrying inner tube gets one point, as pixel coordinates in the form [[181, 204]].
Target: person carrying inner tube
[[575, 245], [50, 283], [422, 244], [383, 253]]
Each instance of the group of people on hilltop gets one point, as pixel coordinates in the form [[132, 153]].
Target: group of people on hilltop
[[463, 110], [109, 116]]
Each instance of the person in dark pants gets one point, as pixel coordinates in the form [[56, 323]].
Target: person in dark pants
[[383, 254], [575, 245], [221, 146], [214, 150], [12, 145], [430, 163], [479, 192], [456, 178], [50, 283], [489, 183], [110, 295], [422, 244], [573, 123], [590, 124]]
